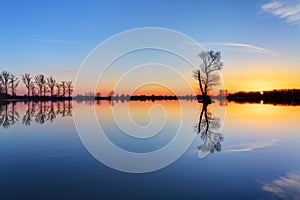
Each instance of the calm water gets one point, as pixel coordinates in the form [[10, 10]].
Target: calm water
[[255, 155]]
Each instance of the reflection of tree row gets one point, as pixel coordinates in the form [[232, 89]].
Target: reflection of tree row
[[208, 128], [8, 117], [37, 111], [275, 101]]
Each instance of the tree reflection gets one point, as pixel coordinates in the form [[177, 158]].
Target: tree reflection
[[36, 111], [41, 115], [8, 116], [208, 129], [27, 118]]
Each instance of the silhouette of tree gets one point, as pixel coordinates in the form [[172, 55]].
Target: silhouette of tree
[[58, 87], [5, 81], [51, 83], [27, 81], [40, 82], [32, 88], [1, 84], [13, 81], [207, 75], [98, 94], [45, 89], [64, 87], [69, 88], [208, 130]]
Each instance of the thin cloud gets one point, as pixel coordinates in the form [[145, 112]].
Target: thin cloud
[[287, 187], [55, 41], [287, 10], [70, 70], [242, 47], [249, 146]]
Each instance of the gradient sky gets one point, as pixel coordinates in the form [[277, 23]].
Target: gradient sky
[[259, 40]]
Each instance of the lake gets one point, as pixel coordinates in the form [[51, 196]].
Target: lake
[[224, 150]]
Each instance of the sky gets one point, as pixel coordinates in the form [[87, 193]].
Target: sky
[[259, 40]]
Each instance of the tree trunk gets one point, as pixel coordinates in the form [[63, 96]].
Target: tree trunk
[[200, 83]]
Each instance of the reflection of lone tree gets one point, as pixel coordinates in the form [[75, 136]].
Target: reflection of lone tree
[[207, 74], [208, 128]]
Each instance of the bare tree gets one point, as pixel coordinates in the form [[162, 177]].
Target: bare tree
[[40, 82], [1, 84], [13, 81], [32, 88], [111, 93], [64, 87], [51, 82], [5, 81], [58, 88], [69, 88], [27, 81], [45, 89], [207, 75]]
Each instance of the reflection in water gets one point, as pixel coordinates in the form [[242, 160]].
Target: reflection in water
[[287, 187], [8, 116], [37, 111], [247, 147], [208, 128]]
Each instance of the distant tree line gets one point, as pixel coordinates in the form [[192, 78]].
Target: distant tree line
[[275, 97], [39, 85], [273, 94]]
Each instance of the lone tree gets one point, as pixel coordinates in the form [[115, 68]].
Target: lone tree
[[27, 81], [51, 83], [5, 81], [207, 74], [40, 82], [13, 81]]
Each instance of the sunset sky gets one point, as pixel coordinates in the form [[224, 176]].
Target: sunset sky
[[259, 40]]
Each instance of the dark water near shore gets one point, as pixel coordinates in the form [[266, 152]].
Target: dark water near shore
[[255, 155]]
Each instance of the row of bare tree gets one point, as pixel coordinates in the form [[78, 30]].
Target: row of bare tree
[[36, 86]]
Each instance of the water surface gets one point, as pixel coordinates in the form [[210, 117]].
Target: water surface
[[255, 156]]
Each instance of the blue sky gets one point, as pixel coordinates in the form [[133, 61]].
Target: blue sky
[[53, 37]]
